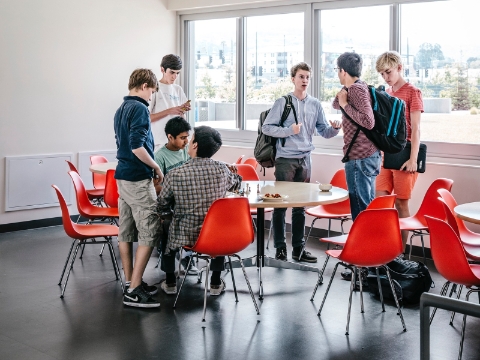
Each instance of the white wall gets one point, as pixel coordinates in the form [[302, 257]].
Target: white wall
[[64, 69]]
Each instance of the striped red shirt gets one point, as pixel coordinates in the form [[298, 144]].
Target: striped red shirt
[[359, 108], [413, 102]]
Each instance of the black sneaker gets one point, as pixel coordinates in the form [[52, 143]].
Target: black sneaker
[[281, 254], [139, 298], [150, 289], [306, 255]]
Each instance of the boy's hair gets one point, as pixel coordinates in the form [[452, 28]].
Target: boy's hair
[[300, 66], [142, 76], [208, 141], [350, 62], [177, 125], [171, 61], [388, 60]]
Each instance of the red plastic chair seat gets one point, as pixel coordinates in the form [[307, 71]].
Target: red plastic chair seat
[[333, 253], [332, 211], [412, 223], [95, 193], [101, 212], [94, 230]]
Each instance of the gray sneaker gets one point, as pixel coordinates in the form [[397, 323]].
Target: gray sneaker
[[216, 290], [168, 288], [192, 270]]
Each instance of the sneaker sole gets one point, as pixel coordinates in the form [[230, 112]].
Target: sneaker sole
[[140, 305], [304, 260], [170, 292], [217, 292]]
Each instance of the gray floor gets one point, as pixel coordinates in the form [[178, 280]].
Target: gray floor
[[92, 323]]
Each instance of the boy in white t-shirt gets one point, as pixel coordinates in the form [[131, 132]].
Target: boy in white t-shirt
[[169, 101]]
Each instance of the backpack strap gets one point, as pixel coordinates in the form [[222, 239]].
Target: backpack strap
[[286, 111]]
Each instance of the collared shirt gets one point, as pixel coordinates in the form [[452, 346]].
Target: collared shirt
[[190, 190]]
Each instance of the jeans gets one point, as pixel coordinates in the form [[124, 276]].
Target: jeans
[[168, 260], [297, 170], [361, 175]]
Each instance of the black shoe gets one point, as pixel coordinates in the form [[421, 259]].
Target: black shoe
[[150, 289], [346, 275], [139, 298], [306, 255], [281, 254]]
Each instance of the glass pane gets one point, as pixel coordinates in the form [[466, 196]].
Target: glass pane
[[442, 58], [215, 62], [351, 30], [274, 44]]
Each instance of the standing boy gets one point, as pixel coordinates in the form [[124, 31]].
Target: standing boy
[[136, 169], [401, 182], [190, 190], [292, 162], [169, 101]]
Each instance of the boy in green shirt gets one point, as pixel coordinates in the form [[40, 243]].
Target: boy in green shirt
[[173, 154]]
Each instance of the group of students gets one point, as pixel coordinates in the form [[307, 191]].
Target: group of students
[[167, 182]]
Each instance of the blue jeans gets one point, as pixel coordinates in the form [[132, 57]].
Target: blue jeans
[[297, 170], [361, 175]]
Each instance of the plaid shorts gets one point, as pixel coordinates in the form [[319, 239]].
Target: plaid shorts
[[137, 207]]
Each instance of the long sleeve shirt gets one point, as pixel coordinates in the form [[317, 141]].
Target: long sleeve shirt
[[359, 108], [310, 114], [190, 190]]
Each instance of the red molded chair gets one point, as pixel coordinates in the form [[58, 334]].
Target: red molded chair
[[431, 207], [381, 202], [338, 211], [224, 236], [93, 194], [384, 237], [98, 179], [82, 233], [248, 173], [251, 161], [447, 250], [111, 190], [239, 160]]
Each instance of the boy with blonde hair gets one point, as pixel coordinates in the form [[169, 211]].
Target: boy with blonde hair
[[402, 181]]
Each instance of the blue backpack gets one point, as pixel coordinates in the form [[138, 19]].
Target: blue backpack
[[389, 134]]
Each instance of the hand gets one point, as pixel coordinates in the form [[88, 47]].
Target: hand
[[158, 178], [410, 166], [186, 106], [296, 128], [336, 124], [232, 168], [342, 98], [177, 110]]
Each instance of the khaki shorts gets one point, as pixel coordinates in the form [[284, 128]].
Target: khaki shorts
[[137, 207], [398, 181]]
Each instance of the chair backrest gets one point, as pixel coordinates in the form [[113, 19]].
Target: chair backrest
[[68, 224], [382, 202], [72, 167], [98, 179], [247, 172], [226, 235], [430, 205], [339, 179], [83, 203], [451, 203], [239, 160], [110, 196], [448, 253], [450, 217], [251, 161], [374, 238]]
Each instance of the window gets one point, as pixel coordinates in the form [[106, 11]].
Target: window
[[441, 57], [341, 32], [215, 72], [264, 32]]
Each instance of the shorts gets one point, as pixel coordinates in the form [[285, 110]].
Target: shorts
[[399, 182], [138, 217]]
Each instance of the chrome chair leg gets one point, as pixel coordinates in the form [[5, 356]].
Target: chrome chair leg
[[110, 249], [115, 266], [306, 239], [101, 251], [410, 249], [181, 285], [458, 297], [395, 297], [443, 292], [248, 283], [320, 276], [66, 261], [70, 269], [233, 278], [352, 286], [362, 310], [260, 283], [328, 288], [205, 296], [83, 249], [380, 289]]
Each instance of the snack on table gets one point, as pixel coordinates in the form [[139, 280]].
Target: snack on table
[[273, 196]]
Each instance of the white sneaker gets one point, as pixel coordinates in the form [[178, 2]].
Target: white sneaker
[[216, 290], [167, 289]]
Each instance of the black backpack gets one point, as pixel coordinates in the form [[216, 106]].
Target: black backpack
[[389, 133], [266, 146], [410, 280]]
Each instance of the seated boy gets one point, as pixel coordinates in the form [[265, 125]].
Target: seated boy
[[173, 154], [190, 190]]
